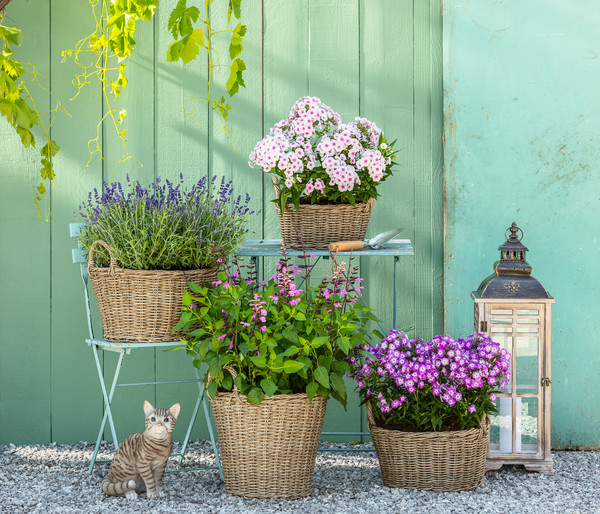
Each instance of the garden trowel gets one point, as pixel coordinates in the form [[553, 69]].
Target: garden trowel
[[376, 243]]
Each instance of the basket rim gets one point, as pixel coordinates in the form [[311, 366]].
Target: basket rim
[[150, 271], [276, 398]]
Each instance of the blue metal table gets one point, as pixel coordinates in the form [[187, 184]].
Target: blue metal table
[[394, 248]]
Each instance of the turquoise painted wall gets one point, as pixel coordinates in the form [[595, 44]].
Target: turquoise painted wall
[[522, 144], [381, 60]]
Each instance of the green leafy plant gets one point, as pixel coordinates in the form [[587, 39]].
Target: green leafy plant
[[18, 106], [101, 55], [165, 225], [189, 40], [278, 339]]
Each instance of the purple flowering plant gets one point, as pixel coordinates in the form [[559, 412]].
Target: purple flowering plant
[[165, 225], [279, 338], [318, 159], [442, 384]]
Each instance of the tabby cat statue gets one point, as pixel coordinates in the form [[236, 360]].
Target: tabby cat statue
[[141, 459]]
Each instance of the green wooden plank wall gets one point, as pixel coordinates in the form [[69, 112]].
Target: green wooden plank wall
[[521, 133], [381, 60]]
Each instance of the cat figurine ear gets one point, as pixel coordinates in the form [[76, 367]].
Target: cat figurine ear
[[174, 410], [148, 409]]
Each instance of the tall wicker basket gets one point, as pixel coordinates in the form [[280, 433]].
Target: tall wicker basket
[[431, 461], [268, 451], [140, 305], [313, 227]]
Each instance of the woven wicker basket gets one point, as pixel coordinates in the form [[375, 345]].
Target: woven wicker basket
[[140, 305], [431, 461], [268, 450], [313, 227]]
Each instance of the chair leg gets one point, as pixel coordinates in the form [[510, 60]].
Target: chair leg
[[201, 400], [107, 403]]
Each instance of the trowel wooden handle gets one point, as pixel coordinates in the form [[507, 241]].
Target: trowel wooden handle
[[346, 246]]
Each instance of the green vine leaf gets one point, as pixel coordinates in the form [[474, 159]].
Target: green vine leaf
[[235, 7], [186, 49], [182, 18], [235, 46], [235, 77]]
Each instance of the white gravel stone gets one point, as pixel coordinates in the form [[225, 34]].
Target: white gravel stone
[[54, 478]]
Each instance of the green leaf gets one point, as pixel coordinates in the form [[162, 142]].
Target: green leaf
[[291, 366], [268, 386], [292, 350], [259, 361], [181, 18], [235, 77], [337, 382], [212, 389], [311, 390], [12, 35], [235, 8], [321, 376], [344, 344], [255, 396], [291, 335], [319, 341], [235, 46]]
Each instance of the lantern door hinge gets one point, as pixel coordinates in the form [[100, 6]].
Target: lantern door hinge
[[545, 382], [483, 326]]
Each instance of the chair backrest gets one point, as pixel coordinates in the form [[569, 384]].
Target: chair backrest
[[78, 256]]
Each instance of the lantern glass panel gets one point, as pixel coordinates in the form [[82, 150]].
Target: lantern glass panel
[[527, 364], [528, 430], [501, 426], [505, 341]]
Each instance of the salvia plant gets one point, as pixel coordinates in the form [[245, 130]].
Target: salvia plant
[[431, 385], [279, 339], [318, 159], [165, 225]]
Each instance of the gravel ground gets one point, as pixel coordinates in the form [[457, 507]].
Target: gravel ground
[[53, 478]]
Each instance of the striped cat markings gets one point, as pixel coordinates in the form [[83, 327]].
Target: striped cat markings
[[140, 461]]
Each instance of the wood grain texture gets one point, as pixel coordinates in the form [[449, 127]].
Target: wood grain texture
[[380, 61], [25, 349]]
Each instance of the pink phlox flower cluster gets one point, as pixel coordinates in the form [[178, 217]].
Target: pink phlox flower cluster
[[448, 367], [374, 162]]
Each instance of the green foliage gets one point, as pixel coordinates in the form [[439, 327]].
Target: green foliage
[[278, 339], [18, 107], [164, 226], [189, 40], [101, 55]]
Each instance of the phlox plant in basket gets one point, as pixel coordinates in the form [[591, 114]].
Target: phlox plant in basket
[[442, 384], [166, 225], [278, 338], [318, 159]]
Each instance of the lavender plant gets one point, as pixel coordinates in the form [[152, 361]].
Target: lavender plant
[[441, 384], [278, 338], [165, 225]]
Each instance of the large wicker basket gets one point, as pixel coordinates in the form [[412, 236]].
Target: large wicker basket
[[268, 450], [431, 461], [140, 305], [313, 227]]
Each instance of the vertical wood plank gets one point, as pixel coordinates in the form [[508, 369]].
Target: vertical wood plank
[[181, 146], [25, 397], [138, 99], [75, 386], [334, 78]]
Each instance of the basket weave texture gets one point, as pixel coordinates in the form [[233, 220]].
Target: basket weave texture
[[268, 451], [313, 227], [431, 461], [141, 305]]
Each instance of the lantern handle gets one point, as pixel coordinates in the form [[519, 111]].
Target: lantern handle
[[514, 230]]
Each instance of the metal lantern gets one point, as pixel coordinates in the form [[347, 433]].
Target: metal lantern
[[515, 310]]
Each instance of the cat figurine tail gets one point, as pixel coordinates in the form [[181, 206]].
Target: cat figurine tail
[[140, 461]]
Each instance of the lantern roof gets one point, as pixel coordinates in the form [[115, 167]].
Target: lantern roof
[[512, 273]]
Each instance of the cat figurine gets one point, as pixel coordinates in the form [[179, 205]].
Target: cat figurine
[[140, 461]]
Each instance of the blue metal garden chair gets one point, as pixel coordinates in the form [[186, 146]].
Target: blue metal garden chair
[[123, 349]]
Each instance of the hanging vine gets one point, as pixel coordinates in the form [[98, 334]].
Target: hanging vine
[[189, 40], [18, 106], [101, 55]]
